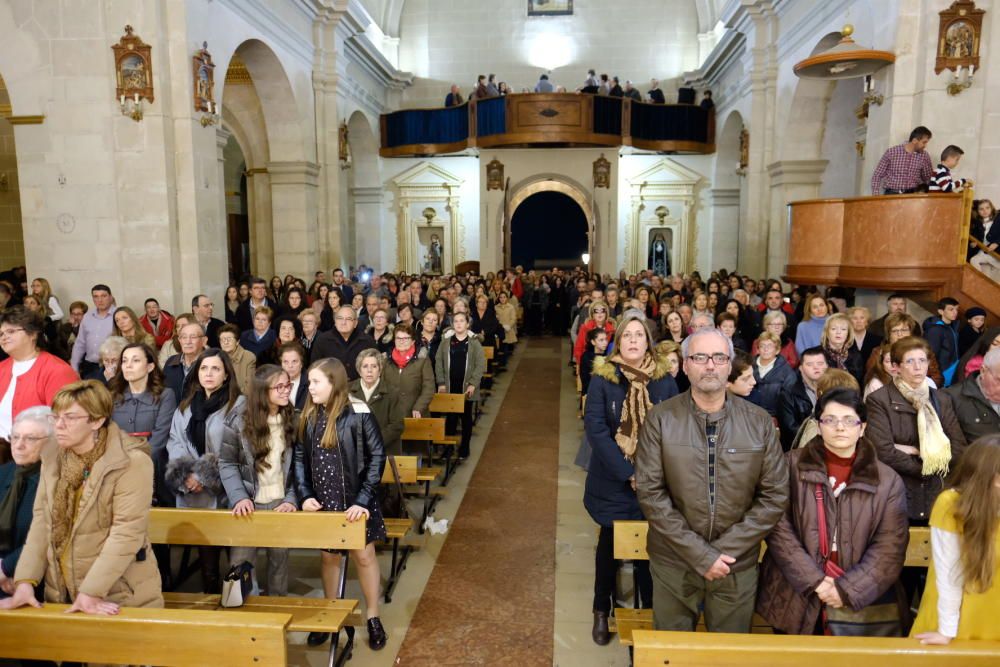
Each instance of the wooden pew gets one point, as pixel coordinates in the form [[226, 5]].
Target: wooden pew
[[630, 544], [448, 404], [430, 430], [295, 530], [171, 637], [701, 649]]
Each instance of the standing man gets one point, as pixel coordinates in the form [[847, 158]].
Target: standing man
[[344, 286], [655, 94], [896, 304], [904, 168], [95, 326], [203, 308], [258, 298], [632, 92], [454, 98], [344, 342], [797, 400], [712, 481], [544, 85]]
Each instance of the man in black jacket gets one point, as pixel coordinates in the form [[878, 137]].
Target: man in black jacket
[[942, 336], [799, 398], [258, 298], [344, 342], [203, 309]]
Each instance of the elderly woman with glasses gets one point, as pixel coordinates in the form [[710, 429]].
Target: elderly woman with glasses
[[382, 398], [85, 558], [33, 431]]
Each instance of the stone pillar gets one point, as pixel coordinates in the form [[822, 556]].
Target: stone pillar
[[491, 229], [261, 222], [294, 203], [368, 220], [791, 180], [724, 233], [221, 139], [332, 243]]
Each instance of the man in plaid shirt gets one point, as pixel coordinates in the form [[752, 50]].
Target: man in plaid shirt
[[906, 167]]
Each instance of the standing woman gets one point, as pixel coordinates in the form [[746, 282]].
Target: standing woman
[[40, 287], [381, 398], [410, 370], [244, 363], [144, 408], [963, 582], [93, 553], [597, 318], [334, 300], [338, 467], [212, 399], [381, 331], [674, 328], [255, 465], [485, 323], [623, 388], [459, 367], [429, 333], [232, 302], [507, 317], [838, 346]]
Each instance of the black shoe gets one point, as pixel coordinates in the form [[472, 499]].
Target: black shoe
[[600, 633], [376, 634], [317, 638]]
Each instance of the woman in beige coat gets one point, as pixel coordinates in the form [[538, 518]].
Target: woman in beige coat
[[89, 538]]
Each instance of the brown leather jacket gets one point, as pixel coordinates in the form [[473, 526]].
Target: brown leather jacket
[[869, 521], [673, 482], [893, 421]]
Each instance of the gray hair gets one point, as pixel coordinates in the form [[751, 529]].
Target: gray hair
[[38, 414], [113, 345], [700, 333], [370, 352], [775, 315], [700, 317], [992, 358]]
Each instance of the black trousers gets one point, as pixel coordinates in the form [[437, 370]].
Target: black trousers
[[452, 421], [606, 572]]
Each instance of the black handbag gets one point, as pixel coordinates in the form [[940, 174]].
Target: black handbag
[[237, 585]]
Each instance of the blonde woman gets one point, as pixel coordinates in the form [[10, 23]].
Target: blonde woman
[[837, 341], [127, 326], [40, 287]]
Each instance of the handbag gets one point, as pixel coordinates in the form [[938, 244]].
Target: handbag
[[237, 585], [882, 618], [391, 499]]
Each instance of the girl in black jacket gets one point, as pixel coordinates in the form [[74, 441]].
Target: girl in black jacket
[[338, 466]]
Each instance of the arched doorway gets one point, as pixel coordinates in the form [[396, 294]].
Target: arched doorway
[[11, 234], [548, 229]]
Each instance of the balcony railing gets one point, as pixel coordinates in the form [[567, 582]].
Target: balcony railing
[[549, 119]]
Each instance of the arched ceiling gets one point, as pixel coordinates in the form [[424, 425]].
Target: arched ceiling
[[387, 13]]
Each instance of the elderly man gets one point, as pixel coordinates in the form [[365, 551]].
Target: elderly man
[[344, 342], [192, 340], [203, 309], [700, 322], [712, 481], [896, 304], [977, 399]]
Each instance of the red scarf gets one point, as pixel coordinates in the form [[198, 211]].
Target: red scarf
[[403, 358]]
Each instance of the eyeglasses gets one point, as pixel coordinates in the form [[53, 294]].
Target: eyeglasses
[[699, 358], [6, 333], [14, 439], [68, 419], [834, 422], [900, 330], [403, 339], [344, 319], [189, 338], [282, 388], [915, 363]]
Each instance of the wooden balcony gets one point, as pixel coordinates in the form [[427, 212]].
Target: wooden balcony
[[902, 243], [549, 120]]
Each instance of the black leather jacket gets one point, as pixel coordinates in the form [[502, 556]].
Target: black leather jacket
[[364, 456]]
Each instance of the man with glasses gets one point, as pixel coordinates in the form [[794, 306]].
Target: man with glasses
[[175, 371], [203, 309], [798, 399], [344, 342], [95, 326], [712, 481], [977, 398]]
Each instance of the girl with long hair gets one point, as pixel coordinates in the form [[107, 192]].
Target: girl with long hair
[[40, 287], [338, 467], [963, 581]]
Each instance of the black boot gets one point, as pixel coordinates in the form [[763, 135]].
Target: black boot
[[376, 634], [317, 638], [600, 633]]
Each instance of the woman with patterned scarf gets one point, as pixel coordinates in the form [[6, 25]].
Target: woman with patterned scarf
[[622, 390], [837, 340], [97, 472]]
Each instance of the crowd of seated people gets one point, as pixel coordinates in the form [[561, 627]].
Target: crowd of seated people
[[486, 86], [794, 395]]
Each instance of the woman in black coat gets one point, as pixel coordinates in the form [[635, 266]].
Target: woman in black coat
[[609, 494], [338, 467], [485, 323]]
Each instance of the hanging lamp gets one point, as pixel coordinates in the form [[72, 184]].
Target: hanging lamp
[[846, 60]]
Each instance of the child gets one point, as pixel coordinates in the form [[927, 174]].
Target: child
[[597, 345], [942, 180]]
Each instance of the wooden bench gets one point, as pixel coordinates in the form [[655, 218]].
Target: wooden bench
[[430, 430], [412, 473], [487, 385], [396, 530], [700, 649], [448, 404], [295, 530], [171, 637], [630, 544]]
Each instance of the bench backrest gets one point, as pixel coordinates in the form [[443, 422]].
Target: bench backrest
[[690, 649], [630, 543], [425, 428], [488, 352], [448, 403], [293, 530], [407, 466], [174, 637]]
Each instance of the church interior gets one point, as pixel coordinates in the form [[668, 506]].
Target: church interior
[[510, 150]]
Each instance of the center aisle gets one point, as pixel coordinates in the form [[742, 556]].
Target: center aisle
[[489, 598]]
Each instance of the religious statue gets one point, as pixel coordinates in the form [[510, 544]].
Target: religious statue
[[344, 145], [744, 148], [602, 172], [494, 175], [659, 256], [204, 80], [432, 261]]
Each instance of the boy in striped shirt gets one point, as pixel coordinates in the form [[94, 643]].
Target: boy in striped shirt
[[942, 180]]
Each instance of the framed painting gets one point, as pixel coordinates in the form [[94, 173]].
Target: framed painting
[[550, 7], [133, 67], [959, 32]]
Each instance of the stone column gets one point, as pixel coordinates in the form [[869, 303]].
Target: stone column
[[368, 217], [261, 222], [791, 180], [294, 204], [724, 233], [491, 229]]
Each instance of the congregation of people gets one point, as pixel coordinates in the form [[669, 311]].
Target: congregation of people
[[726, 412]]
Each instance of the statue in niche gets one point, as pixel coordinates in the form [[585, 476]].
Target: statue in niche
[[494, 175], [602, 172], [659, 256], [432, 261]]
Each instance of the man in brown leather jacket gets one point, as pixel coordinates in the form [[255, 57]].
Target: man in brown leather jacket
[[712, 481]]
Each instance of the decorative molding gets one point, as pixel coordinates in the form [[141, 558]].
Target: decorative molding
[[294, 173], [796, 172], [26, 120], [255, 171], [426, 184], [6, 111], [368, 194]]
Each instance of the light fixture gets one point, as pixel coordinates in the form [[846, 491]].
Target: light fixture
[[586, 258], [212, 116], [960, 81], [846, 60], [131, 106]]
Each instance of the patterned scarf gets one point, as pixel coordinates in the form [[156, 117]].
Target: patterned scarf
[[839, 357], [73, 472], [935, 448], [637, 402]]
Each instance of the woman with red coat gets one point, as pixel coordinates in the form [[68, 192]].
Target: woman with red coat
[[29, 376], [597, 318]]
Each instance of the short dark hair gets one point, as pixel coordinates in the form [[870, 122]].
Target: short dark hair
[[812, 352], [895, 295], [741, 361], [947, 301], [595, 332], [725, 317], [544, 77], [951, 151], [293, 346], [846, 397], [22, 317], [258, 281], [195, 299], [920, 132], [150, 300], [230, 328], [100, 287]]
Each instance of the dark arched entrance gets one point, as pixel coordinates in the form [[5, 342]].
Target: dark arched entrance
[[548, 230]]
